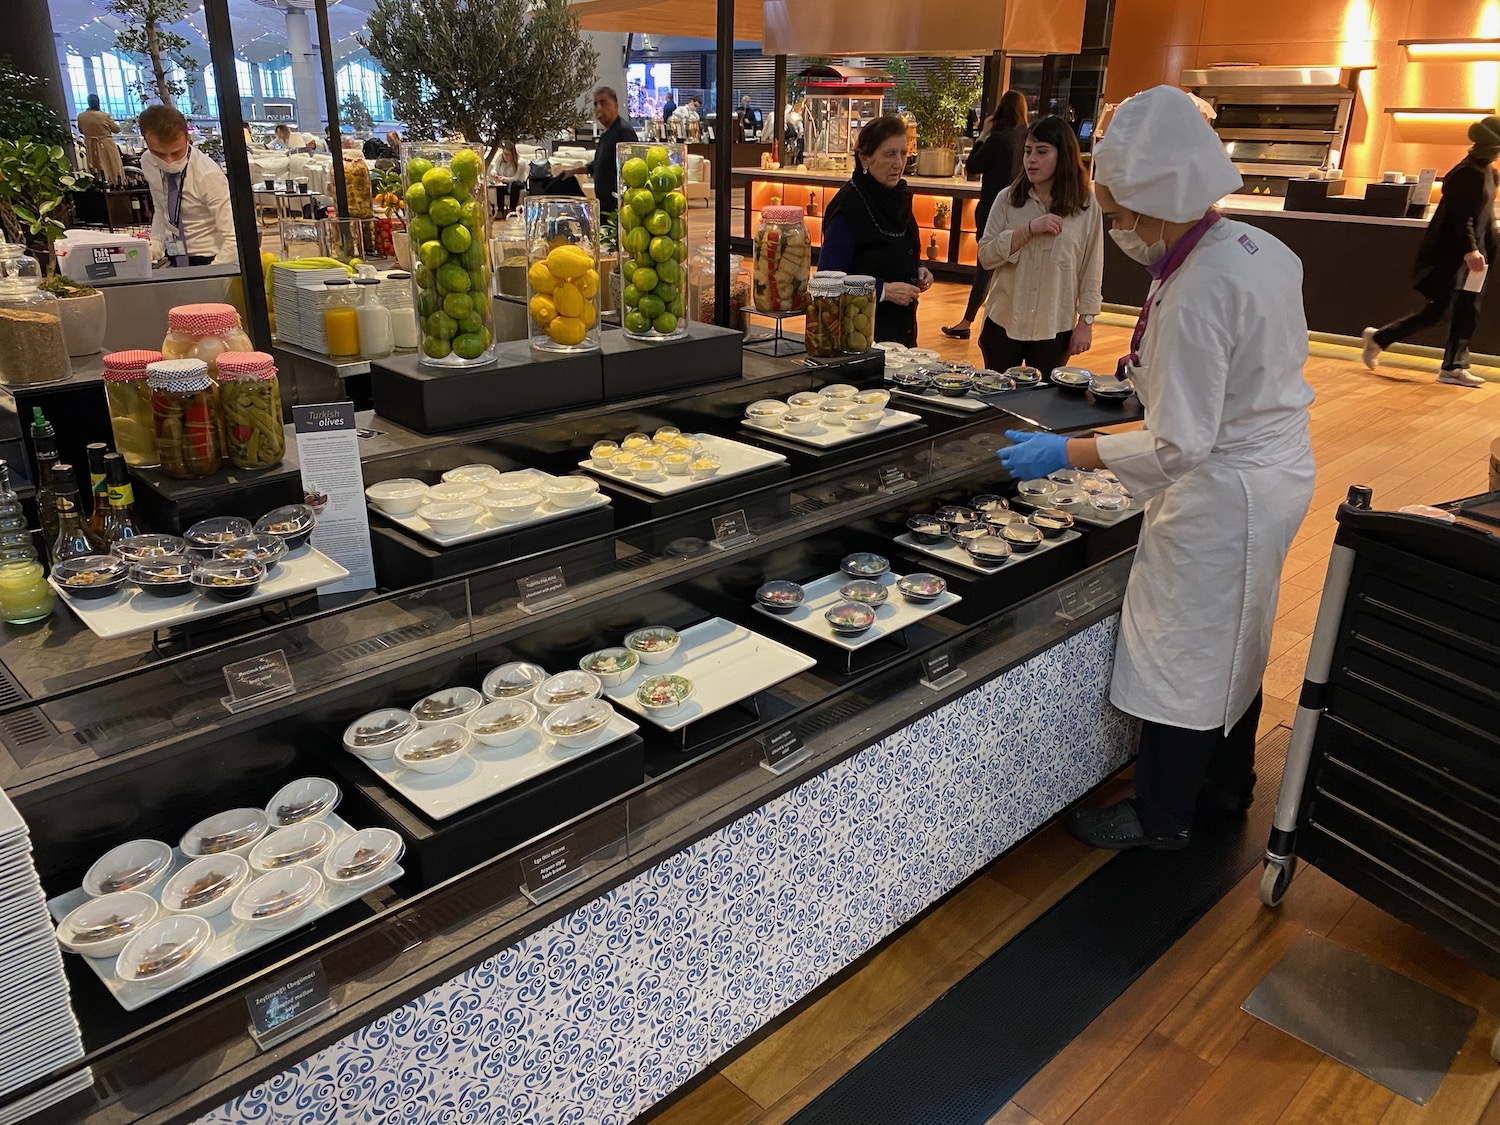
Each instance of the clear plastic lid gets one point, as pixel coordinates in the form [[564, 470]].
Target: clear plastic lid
[[263, 548], [380, 728], [210, 533], [163, 570], [205, 883], [139, 548], [292, 846], [451, 705], [278, 894], [291, 519], [307, 798], [133, 865], [363, 855], [102, 926], [568, 687], [225, 832], [165, 950], [514, 680]]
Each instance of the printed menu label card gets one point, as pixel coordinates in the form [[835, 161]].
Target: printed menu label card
[[546, 587], [257, 680], [731, 528], [551, 868], [279, 1004], [780, 746], [333, 486]]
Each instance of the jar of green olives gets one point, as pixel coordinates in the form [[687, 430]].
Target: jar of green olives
[[857, 312], [250, 394]]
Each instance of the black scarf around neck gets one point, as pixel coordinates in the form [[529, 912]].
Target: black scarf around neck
[[887, 209]]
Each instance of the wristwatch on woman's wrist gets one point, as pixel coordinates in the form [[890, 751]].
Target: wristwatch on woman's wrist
[[1087, 318]]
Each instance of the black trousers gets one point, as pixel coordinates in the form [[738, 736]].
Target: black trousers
[[1000, 351], [1174, 764], [977, 292], [1464, 307]]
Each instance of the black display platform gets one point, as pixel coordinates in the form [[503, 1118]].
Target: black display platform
[[806, 459], [1064, 412], [708, 354], [520, 382], [635, 505], [171, 506], [440, 849], [405, 559]]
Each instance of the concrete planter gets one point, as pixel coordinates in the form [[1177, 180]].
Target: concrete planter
[[84, 321]]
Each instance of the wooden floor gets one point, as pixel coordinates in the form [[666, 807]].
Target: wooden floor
[[1175, 1049]]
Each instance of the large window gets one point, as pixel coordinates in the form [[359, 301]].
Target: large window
[[365, 77]]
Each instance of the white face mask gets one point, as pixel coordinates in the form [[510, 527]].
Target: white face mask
[[1132, 245], [174, 167]]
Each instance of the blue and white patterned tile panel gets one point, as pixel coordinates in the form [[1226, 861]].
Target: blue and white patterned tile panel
[[609, 1009]]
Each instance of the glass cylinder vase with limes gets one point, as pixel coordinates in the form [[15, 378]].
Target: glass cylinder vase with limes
[[447, 217], [562, 273], [653, 239]]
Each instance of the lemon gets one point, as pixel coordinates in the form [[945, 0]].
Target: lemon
[[432, 254], [589, 314], [588, 282], [568, 299], [656, 156], [437, 181], [665, 323], [457, 238], [634, 172], [435, 348], [465, 165], [540, 278], [445, 211], [658, 222], [568, 261], [567, 330], [458, 305], [644, 279], [542, 310]]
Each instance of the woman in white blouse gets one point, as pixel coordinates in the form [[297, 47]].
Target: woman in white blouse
[[1044, 242]]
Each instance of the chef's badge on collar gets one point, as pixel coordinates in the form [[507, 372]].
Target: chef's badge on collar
[[1248, 244]]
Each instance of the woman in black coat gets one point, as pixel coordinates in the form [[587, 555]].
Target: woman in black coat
[[996, 158], [1460, 241]]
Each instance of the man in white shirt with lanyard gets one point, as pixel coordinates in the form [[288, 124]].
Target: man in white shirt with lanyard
[[192, 225]]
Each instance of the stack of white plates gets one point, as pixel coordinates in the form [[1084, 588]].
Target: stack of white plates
[[293, 300], [38, 1033]]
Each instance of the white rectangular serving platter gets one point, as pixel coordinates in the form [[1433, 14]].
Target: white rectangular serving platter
[[896, 614], [1086, 513], [487, 525], [735, 458], [231, 939], [130, 610], [932, 397], [951, 552], [490, 770], [826, 436], [727, 663]]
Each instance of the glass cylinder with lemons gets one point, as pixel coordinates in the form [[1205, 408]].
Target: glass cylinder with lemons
[[447, 217], [653, 239], [562, 273]]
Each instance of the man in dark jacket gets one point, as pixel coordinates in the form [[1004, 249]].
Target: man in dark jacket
[[1458, 245], [617, 130]]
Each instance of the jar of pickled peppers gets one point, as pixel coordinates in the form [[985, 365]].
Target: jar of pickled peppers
[[187, 417], [129, 398], [825, 325], [204, 331], [250, 395]]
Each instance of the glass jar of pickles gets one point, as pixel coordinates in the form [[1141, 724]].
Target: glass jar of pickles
[[783, 257], [204, 332], [825, 325], [250, 395], [188, 418], [857, 312], [129, 398]]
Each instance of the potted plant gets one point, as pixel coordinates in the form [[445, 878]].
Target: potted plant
[[940, 108], [83, 313]]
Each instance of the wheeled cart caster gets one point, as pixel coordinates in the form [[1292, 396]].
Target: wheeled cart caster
[[1276, 878]]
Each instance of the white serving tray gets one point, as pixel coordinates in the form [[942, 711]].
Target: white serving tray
[[735, 458], [932, 397], [1087, 513], [826, 436], [487, 525], [130, 610], [727, 663], [896, 614], [231, 939], [490, 770], [951, 552]]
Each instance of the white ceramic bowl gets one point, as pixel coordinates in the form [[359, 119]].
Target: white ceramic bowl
[[677, 463], [180, 937], [277, 898], [363, 858], [832, 412], [516, 680], [569, 492], [509, 507], [864, 419], [101, 927], [237, 830], [453, 490], [374, 737], [206, 887], [801, 421], [872, 398], [451, 517], [703, 467], [766, 412], [291, 847], [307, 798], [413, 746], [646, 468], [567, 687], [642, 694], [398, 497], [472, 474], [137, 865], [451, 705], [578, 723], [622, 661], [805, 400], [655, 655], [520, 480], [503, 722]]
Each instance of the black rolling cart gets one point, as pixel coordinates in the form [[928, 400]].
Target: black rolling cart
[[1392, 778]]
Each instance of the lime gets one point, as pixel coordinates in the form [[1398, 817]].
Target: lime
[[479, 279], [629, 220], [652, 306], [661, 249], [465, 165], [661, 181], [542, 310], [423, 276], [676, 170], [637, 239], [421, 229], [665, 292], [437, 181], [416, 168], [631, 296], [458, 305], [441, 325], [644, 279], [675, 203], [416, 199], [681, 254], [658, 222], [428, 303], [474, 322], [665, 323], [473, 257], [679, 229], [432, 254], [669, 271], [470, 345], [675, 306], [435, 348], [656, 156], [642, 202], [473, 216], [643, 262], [635, 321], [453, 278], [540, 278], [445, 211], [634, 172], [567, 330], [457, 239], [568, 299]]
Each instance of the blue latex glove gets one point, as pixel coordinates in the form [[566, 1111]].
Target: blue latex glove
[[1033, 454]]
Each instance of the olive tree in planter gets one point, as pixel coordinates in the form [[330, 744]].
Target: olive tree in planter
[[940, 107], [145, 32]]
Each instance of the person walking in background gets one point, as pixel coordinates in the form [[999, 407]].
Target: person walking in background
[[1044, 240], [869, 228], [602, 169], [1452, 260], [996, 159], [100, 153]]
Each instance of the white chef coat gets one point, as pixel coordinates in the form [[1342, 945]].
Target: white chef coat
[[207, 223], [1226, 469]]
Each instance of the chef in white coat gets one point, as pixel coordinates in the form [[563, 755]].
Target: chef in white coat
[[1223, 465]]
